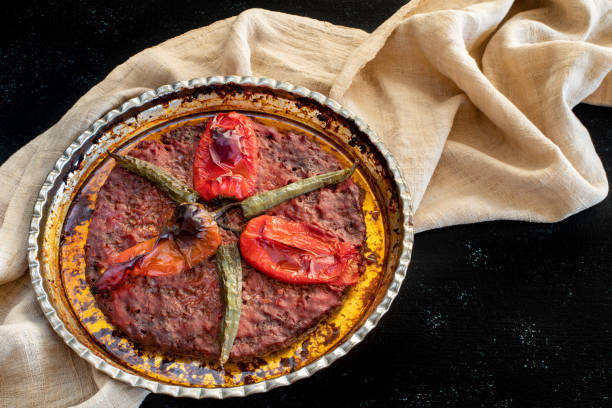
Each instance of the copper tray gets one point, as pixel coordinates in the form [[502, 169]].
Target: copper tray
[[57, 263]]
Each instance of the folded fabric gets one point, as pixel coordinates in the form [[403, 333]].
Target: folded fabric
[[473, 98]]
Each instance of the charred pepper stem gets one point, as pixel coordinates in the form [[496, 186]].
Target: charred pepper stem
[[189, 237], [229, 269], [173, 187], [262, 202]]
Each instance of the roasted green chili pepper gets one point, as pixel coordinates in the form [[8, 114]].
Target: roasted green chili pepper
[[173, 187], [230, 276], [262, 202]]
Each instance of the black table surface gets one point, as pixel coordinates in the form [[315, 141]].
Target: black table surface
[[497, 314]]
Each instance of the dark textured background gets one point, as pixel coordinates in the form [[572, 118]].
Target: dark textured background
[[495, 314]]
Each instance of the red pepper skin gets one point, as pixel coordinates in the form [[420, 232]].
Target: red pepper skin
[[225, 163], [144, 258], [195, 237], [298, 253]]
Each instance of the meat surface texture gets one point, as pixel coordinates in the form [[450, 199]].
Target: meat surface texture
[[180, 314]]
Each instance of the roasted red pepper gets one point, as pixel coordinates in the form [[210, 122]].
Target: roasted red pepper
[[226, 160], [298, 253], [190, 236]]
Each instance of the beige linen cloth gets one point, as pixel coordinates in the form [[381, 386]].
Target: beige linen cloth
[[473, 98]]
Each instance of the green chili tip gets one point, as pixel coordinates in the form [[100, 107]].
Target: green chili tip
[[173, 187]]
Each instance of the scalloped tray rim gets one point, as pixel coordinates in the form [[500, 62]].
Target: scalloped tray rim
[[221, 392]]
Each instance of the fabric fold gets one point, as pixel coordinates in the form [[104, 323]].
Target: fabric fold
[[515, 150]]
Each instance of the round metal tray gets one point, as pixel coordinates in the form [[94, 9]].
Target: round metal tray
[[65, 297]]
